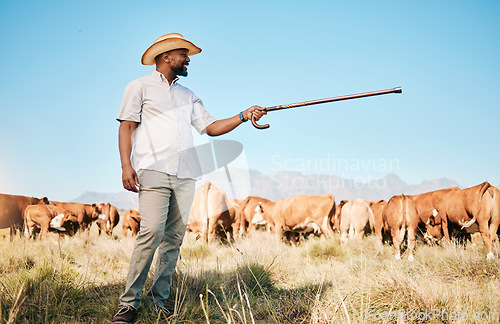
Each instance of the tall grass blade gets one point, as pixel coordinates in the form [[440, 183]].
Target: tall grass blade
[[17, 306]]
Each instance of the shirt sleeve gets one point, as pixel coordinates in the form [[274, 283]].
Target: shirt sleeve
[[200, 118], [131, 107]]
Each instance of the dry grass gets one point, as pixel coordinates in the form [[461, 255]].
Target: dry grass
[[253, 280]]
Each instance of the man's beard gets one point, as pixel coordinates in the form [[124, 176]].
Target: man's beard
[[181, 71]]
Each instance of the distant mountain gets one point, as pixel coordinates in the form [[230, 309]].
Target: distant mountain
[[286, 184], [121, 200]]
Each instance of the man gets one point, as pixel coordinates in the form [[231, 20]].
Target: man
[[155, 117]]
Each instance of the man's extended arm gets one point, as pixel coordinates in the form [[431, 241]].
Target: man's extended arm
[[223, 126], [129, 176]]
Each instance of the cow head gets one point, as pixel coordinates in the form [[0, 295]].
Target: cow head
[[135, 214], [70, 223], [258, 217], [40, 201], [96, 212], [434, 228]]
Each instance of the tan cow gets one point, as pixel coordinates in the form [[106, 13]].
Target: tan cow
[[478, 204], [131, 221], [301, 214], [247, 207], [222, 215], [197, 221], [430, 206], [356, 219], [335, 223], [377, 208], [85, 213], [12, 210], [213, 214], [108, 219], [43, 218], [397, 214]]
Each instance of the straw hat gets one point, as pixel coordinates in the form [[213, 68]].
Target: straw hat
[[166, 43]]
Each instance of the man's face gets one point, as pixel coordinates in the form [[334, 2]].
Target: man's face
[[179, 60]]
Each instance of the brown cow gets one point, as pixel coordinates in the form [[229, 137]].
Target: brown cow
[[247, 207], [85, 213], [356, 219], [301, 214], [478, 204], [377, 208], [213, 214], [12, 210], [398, 213], [222, 215], [335, 223], [430, 206], [108, 219], [131, 221], [43, 218]]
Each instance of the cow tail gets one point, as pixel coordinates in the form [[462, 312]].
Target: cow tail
[[404, 200], [330, 218], [25, 216], [371, 219], [482, 190]]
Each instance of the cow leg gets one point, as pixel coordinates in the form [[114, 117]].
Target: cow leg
[[397, 238], [411, 242], [495, 222], [475, 237], [12, 232], [278, 229], [236, 232], [485, 234], [344, 230], [446, 233], [343, 237], [378, 230], [45, 232], [326, 228], [359, 233], [211, 227], [251, 229]]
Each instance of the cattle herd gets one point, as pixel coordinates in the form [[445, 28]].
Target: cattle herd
[[441, 214], [437, 215], [36, 216]]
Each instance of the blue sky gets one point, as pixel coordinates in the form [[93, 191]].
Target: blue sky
[[65, 64]]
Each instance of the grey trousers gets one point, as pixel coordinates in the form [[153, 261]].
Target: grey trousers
[[164, 203]]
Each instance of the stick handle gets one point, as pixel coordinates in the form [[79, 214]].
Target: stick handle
[[319, 101]]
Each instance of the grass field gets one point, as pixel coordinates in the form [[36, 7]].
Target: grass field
[[253, 280]]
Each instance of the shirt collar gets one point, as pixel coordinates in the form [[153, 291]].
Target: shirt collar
[[161, 77]]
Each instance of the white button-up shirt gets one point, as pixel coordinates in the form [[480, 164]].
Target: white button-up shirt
[[163, 140]]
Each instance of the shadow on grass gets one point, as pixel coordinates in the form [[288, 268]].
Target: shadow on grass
[[241, 296]]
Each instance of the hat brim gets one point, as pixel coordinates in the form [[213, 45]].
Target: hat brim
[[148, 58]]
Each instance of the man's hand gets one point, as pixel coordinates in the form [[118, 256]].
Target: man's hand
[[130, 179], [256, 111]]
